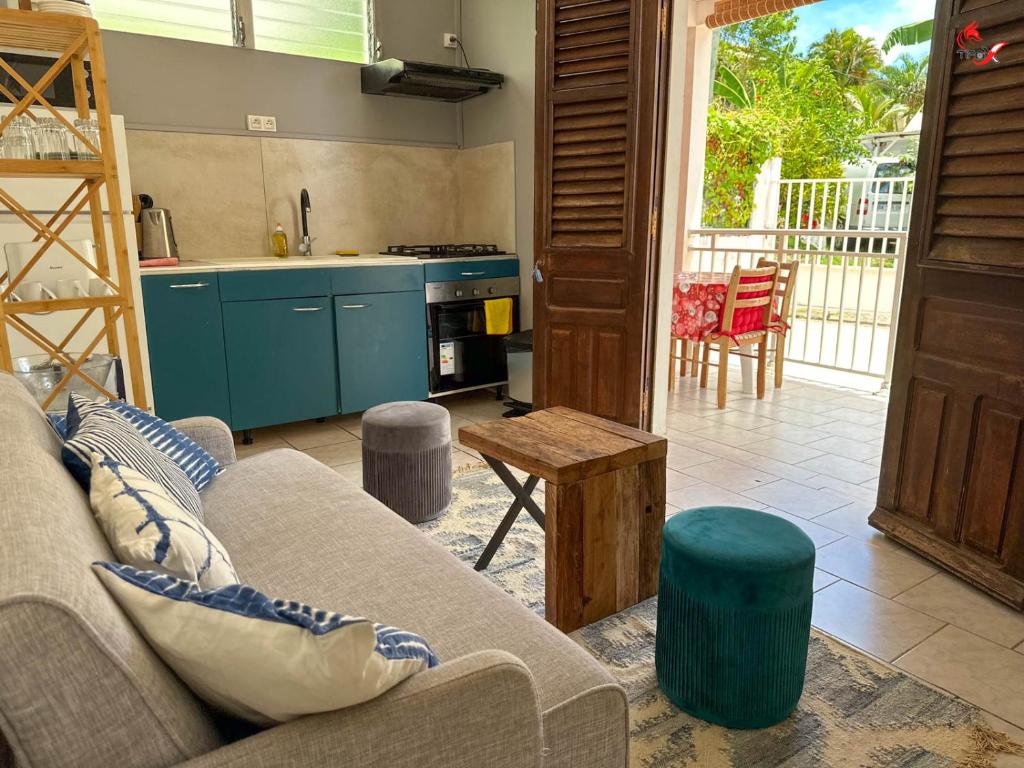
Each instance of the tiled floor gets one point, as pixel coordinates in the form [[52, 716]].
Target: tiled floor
[[809, 453]]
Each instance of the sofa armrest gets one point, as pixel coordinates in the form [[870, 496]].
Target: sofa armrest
[[212, 434], [477, 710]]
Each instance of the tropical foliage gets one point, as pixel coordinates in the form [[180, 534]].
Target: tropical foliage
[[809, 109]]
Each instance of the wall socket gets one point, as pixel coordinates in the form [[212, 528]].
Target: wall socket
[[261, 123], [451, 40]]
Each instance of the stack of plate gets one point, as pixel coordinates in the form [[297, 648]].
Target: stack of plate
[[63, 6]]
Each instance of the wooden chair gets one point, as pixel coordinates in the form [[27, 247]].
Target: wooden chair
[[784, 302], [743, 287], [679, 353]]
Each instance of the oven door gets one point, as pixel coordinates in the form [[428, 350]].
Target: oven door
[[462, 354]]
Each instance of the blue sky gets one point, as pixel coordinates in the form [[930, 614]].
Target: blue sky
[[869, 17]]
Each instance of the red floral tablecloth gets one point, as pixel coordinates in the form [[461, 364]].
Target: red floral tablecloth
[[697, 299]]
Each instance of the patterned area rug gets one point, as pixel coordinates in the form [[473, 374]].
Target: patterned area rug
[[855, 712]]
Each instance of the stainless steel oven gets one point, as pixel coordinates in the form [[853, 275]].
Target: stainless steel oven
[[462, 355]]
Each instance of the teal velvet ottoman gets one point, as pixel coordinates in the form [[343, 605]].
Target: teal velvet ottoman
[[734, 615]]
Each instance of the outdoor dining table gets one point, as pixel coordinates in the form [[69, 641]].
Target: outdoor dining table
[[697, 302]]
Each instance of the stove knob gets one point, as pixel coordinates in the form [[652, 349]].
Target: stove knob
[[492, 289], [476, 291], [458, 292]]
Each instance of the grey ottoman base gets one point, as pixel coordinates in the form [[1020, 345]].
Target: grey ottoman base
[[407, 458]]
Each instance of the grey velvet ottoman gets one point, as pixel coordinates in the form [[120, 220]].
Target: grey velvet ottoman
[[407, 458]]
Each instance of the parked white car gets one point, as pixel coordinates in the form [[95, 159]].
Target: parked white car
[[881, 201]]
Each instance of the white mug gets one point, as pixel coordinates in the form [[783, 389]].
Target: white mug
[[99, 287], [69, 289], [34, 291]]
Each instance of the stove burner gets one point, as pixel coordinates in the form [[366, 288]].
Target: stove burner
[[443, 251]]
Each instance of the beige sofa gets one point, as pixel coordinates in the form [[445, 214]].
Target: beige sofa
[[80, 687]]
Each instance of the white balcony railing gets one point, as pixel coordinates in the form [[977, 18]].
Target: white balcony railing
[[875, 203], [847, 290]]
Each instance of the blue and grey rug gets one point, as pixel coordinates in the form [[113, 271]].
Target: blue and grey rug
[[855, 712]]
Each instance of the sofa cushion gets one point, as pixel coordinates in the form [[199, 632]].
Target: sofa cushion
[[295, 527], [107, 433], [147, 529], [76, 678], [198, 465], [265, 660]]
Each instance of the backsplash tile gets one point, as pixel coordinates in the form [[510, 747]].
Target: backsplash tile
[[227, 193]]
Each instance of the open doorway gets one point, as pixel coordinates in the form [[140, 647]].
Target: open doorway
[[793, 138]]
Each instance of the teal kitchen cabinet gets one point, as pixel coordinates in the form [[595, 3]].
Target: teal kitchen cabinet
[[280, 360], [186, 345], [382, 348]]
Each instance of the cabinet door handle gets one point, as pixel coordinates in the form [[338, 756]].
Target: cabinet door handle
[[306, 309], [473, 274], [355, 306], [191, 285]]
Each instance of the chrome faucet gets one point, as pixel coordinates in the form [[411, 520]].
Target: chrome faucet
[[306, 246]]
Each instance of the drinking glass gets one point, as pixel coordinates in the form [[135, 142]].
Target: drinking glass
[[51, 139], [17, 142], [91, 130]]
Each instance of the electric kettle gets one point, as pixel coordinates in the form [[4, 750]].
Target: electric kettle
[[158, 234]]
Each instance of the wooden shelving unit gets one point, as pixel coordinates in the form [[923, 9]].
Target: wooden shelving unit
[[74, 40]]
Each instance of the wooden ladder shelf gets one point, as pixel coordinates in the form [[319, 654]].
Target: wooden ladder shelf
[[74, 40]]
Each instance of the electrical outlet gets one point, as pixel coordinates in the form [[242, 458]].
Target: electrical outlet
[[261, 123], [451, 40]]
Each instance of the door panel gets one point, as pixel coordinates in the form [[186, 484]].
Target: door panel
[[186, 346], [281, 364], [599, 93], [952, 481], [382, 348]]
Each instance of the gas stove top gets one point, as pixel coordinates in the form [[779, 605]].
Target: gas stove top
[[443, 251]]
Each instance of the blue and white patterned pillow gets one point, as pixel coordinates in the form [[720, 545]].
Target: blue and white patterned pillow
[[147, 529], [196, 463], [265, 660], [109, 434]]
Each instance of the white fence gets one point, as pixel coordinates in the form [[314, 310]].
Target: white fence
[[846, 295], [875, 203]]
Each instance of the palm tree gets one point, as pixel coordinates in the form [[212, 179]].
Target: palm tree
[[879, 113], [729, 87], [904, 81], [850, 56], [908, 34]]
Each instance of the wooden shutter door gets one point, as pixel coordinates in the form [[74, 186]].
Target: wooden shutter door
[[952, 482], [599, 91]]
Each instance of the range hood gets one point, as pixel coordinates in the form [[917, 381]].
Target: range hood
[[396, 77]]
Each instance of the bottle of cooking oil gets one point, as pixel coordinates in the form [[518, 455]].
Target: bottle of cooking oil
[[279, 241]]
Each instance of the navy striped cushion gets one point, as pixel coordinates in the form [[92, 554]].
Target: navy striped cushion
[[198, 465], [108, 433]]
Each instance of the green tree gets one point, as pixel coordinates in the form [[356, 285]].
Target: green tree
[[904, 82], [878, 112], [909, 34], [851, 57]]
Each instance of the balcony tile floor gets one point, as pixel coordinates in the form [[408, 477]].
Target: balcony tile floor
[[809, 453]]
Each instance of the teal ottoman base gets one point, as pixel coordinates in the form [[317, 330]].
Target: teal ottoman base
[[734, 615]]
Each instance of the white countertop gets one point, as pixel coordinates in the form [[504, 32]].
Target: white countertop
[[300, 262]]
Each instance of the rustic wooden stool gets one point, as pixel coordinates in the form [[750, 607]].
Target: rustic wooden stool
[[604, 498]]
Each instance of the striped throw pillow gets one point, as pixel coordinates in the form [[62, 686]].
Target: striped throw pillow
[[265, 660], [196, 463], [109, 434]]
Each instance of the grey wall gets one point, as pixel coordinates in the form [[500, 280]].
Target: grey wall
[[499, 35], [160, 83]]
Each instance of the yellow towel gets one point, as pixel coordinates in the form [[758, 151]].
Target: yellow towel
[[499, 316]]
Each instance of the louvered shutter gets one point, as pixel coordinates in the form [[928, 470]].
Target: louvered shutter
[[599, 86], [952, 480], [980, 191]]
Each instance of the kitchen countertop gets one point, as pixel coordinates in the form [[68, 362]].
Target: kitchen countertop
[[299, 262]]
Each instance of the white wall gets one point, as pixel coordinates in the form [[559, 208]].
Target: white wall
[[499, 35]]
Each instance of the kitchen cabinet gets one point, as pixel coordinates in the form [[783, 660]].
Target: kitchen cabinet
[[280, 360], [382, 348], [186, 346]]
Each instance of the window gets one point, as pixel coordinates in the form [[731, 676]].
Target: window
[[326, 29]]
